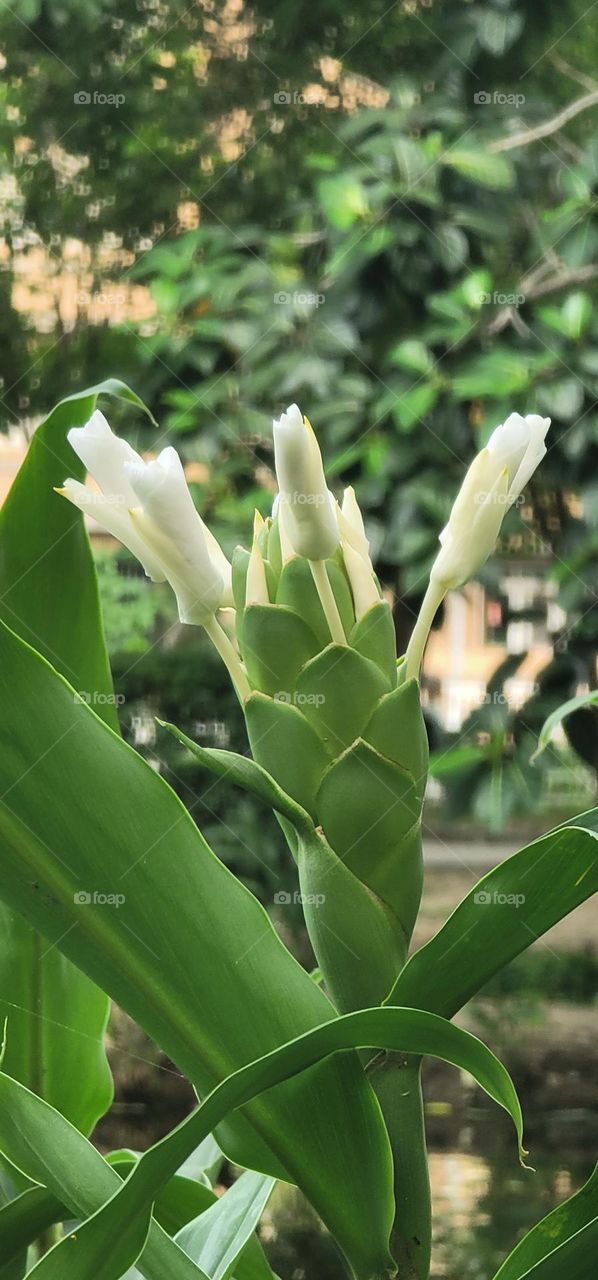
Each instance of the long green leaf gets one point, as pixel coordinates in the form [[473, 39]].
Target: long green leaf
[[25, 1218], [49, 1150], [48, 595], [553, 721], [216, 1239], [126, 1216], [189, 952], [507, 910], [563, 1246]]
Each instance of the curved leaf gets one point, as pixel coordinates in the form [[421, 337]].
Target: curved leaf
[[588, 699], [49, 596], [507, 910], [564, 1244], [49, 1150], [216, 1239], [186, 949], [402, 1030]]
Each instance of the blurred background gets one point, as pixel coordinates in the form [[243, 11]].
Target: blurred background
[[389, 214]]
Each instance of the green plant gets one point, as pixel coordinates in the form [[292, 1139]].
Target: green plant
[[317, 1085]]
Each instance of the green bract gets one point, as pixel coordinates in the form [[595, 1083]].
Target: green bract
[[344, 736]]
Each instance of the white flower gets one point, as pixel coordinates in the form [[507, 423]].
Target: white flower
[[256, 588], [494, 481], [356, 554], [148, 507], [309, 516]]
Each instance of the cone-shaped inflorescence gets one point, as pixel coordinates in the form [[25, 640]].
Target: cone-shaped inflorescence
[[342, 733]]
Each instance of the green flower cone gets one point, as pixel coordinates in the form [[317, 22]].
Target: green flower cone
[[343, 735]]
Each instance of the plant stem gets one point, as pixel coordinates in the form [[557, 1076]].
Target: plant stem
[[396, 1080], [415, 650], [327, 600], [229, 657]]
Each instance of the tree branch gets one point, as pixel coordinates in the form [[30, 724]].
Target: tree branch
[[525, 136]]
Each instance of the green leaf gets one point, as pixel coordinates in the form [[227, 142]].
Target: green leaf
[[402, 1030], [49, 1150], [481, 166], [412, 354], [507, 910], [590, 698], [49, 596], [563, 1244], [40, 535], [412, 405], [189, 952], [245, 773], [216, 1239], [181, 1200], [25, 1218]]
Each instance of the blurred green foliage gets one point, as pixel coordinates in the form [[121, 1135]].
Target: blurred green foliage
[[369, 242]]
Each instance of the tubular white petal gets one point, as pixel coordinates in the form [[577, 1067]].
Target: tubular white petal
[[221, 563], [351, 523], [256, 589], [361, 577], [196, 583], [104, 455], [311, 522], [170, 524], [110, 512]]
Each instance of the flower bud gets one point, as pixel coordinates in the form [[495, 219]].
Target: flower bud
[[356, 555], [493, 483], [148, 507], [310, 520], [256, 588], [171, 527]]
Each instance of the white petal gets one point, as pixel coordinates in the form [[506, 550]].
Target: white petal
[[361, 577], [114, 516], [354, 529], [104, 455], [256, 588], [310, 519], [171, 525]]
